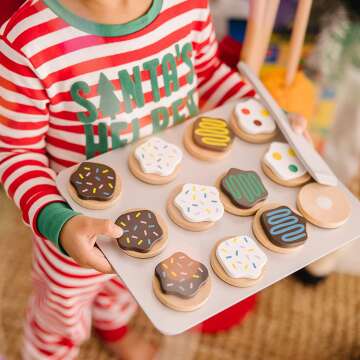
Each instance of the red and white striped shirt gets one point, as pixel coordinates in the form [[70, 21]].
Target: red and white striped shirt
[[71, 89]]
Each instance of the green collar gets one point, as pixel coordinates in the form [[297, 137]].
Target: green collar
[[105, 29]]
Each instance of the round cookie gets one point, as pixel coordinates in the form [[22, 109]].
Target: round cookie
[[181, 283], [281, 165], [279, 228], [252, 122], [238, 261], [145, 233], [195, 207], [155, 161], [241, 192], [208, 139], [324, 206], [94, 186]]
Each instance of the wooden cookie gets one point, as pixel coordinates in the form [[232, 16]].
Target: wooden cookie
[[181, 283], [324, 206], [195, 207], [281, 165], [155, 161], [238, 261], [279, 228], [252, 122], [94, 186], [208, 139], [241, 192], [145, 234]]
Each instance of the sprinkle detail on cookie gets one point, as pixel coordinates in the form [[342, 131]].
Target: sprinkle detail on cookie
[[240, 257], [283, 227], [141, 231], [212, 134], [181, 276], [253, 118], [244, 188], [93, 181], [159, 157], [283, 161], [199, 203]]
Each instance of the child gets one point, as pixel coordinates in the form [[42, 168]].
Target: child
[[79, 78]]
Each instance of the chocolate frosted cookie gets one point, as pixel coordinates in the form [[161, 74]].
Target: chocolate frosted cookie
[[283, 227], [208, 138], [279, 228], [212, 134], [94, 185], [144, 233], [93, 181], [244, 188], [181, 282]]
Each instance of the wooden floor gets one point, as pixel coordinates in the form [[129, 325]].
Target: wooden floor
[[290, 322]]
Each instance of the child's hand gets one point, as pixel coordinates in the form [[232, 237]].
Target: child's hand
[[78, 238], [299, 123]]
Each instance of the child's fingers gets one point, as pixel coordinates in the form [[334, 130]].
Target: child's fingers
[[96, 260], [308, 137], [106, 227], [298, 122]]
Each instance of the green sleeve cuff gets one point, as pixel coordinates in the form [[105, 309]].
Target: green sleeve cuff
[[51, 220]]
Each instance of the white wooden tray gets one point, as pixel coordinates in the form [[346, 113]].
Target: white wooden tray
[[137, 274]]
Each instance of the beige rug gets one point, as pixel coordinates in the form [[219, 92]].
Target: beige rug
[[290, 322]]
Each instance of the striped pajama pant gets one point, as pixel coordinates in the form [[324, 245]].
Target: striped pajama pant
[[66, 301]]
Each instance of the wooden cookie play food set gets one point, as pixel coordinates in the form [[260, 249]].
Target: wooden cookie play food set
[[193, 219]]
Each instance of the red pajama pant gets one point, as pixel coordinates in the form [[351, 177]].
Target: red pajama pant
[[67, 301]]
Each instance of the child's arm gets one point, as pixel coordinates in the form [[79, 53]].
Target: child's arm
[[24, 165], [217, 82]]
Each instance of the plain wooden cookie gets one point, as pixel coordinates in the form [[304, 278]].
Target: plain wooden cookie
[[288, 183], [179, 304], [221, 273], [230, 207], [254, 139], [176, 216], [262, 237], [158, 246], [324, 206], [200, 153], [94, 204]]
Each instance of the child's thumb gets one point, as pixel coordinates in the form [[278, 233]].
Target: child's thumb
[[107, 227]]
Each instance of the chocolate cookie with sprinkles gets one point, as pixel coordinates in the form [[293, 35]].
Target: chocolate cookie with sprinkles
[[145, 233], [181, 283], [94, 186]]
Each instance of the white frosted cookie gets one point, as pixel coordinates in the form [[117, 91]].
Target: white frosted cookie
[[155, 161], [253, 118], [157, 156], [281, 165], [199, 203], [241, 257]]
